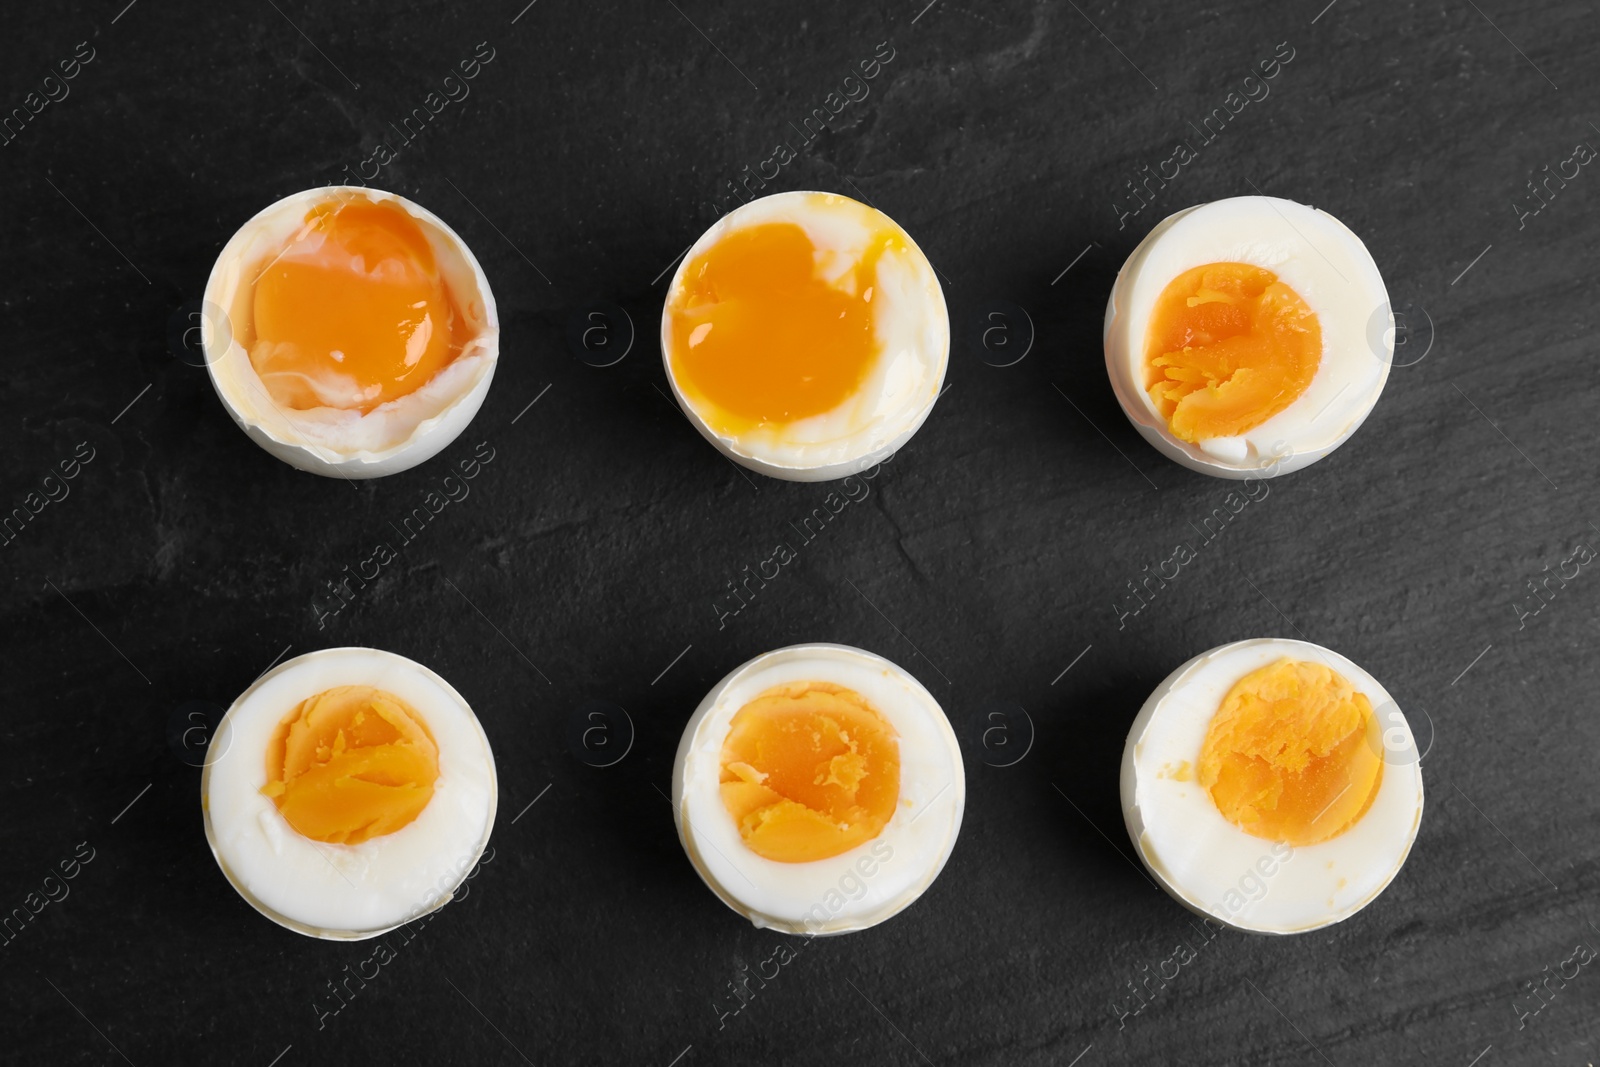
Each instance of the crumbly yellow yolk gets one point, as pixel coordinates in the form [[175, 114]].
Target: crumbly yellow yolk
[[1292, 754], [1229, 347], [351, 763], [809, 770], [760, 330], [352, 312]]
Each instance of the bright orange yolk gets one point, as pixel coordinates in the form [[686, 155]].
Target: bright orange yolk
[[353, 312], [760, 332], [1292, 755], [1229, 347], [351, 763], [809, 770]]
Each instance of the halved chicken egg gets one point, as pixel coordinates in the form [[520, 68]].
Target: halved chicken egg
[[350, 332], [1248, 337], [1272, 785], [805, 336], [818, 789], [348, 791]]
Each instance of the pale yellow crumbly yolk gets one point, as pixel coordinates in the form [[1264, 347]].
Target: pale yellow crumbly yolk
[[809, 770], [1229, 347], [350, 764], [1292, 755], [760, 332], [352, 312]]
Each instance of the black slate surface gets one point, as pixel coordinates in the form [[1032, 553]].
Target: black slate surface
[[586, 563]]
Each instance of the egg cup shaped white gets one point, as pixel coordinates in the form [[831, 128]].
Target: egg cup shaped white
[[347, 892], [1321, 260], [335, 443], [856, 889], [902, 387], [1200, 858]]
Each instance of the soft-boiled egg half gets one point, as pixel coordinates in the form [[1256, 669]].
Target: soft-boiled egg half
[[818, 789], [1272, 785], [350, 332], [805, 336], [348, 791], [1248, 337]]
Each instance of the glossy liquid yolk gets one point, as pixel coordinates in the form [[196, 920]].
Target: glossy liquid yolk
[[353, 313], [759, 333], [351, 763], [1230, 346], [1293, 754], [809, 770]]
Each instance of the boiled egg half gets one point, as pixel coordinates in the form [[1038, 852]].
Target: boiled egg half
[[818, 789], [348, 791], [805, 335], [1272, 785], [349, 332], [1249, 337]]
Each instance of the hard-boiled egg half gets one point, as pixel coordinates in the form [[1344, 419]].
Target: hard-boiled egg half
[[1248, 337], [348, 791], [1272, 785], [350, 332], [805, 336], [818, 789]]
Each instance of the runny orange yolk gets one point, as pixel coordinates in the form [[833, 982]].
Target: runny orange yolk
[[809, 770], [350, 764], [761, 333], [1293, 754], [353, 312], [1229, 347]]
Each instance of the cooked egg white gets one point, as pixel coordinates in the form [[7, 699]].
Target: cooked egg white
[[865, 884], [1321, 261], [1213, 866], [871, 268], [340, 891], [340, 441]]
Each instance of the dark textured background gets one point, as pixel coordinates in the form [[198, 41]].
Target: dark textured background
[[987, 558]]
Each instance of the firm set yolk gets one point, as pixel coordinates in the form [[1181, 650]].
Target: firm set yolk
[[1292, 754], [350, 764], [769, 330], [809, 770], [353, 312], [1229, 347]]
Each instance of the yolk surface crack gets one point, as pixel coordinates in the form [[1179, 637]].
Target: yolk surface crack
[[353, 312], [1229, 347], [1292, 755], [809, 770], [350, 764], [760, 332]]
